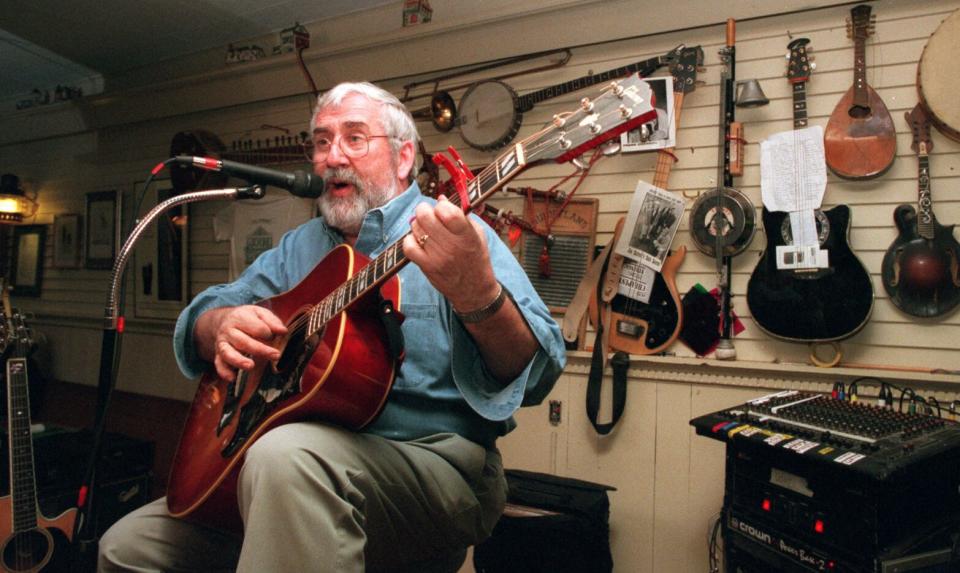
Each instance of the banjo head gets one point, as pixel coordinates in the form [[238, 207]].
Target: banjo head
[[735, 222], [937, 77], [488, 116]]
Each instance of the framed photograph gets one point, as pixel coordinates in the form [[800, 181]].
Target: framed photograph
[[161, 256], [28, 259], [661, 133], [103, 229], [66, 241]]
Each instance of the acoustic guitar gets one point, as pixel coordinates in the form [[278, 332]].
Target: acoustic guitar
[[804, 301], [335, 362], [638, 327], [30, 541], [860, 141], [920, 270]]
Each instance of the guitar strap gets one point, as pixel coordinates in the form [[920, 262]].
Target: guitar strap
[[578, 305], [620, 362], [391, 320]]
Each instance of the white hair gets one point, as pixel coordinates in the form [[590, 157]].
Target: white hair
[[396, 120]]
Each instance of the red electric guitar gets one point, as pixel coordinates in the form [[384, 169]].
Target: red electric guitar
[[335, 363]]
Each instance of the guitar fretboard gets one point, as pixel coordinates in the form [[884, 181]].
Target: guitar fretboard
[[800, 105], [22, 482], [925, 219]]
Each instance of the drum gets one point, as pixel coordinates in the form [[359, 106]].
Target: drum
[[489, 116], [734, 222], [937, 77]]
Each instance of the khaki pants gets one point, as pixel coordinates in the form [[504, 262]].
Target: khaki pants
[[315, 497]]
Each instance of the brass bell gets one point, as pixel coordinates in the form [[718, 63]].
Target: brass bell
[[750, 94]]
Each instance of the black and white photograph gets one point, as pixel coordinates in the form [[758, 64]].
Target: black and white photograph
[[650, 226], [660, 133]]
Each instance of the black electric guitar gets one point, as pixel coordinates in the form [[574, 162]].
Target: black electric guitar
[[638, 327], [920, 270], [803, 301], [30, 543]]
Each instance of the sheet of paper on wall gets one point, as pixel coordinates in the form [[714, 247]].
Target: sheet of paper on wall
[[651, 224], [793, 178], [636, 281]]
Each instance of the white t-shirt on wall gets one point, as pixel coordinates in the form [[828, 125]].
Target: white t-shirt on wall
[[253, 226]]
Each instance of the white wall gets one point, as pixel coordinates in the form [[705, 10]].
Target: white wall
[[669, 481]]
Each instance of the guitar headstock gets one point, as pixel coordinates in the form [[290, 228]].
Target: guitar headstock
[[919, 124], [684, 69], [623, 105], [860, 25], [799, 64]]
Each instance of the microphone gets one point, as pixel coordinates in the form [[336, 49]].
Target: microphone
[[299, 183]]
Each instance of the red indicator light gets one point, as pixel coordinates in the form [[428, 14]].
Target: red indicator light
[[831, 564], [765, 505], [818, 526]]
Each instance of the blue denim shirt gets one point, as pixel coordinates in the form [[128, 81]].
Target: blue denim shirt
[[442, 385]]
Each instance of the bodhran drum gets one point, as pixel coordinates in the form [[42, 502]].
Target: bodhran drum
[[488, 115], [938, 77]]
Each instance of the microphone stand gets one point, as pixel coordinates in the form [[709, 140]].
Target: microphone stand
[[84, 531]]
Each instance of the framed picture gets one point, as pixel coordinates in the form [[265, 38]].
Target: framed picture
[[161, 256], [662, 133], [28, 259], [66, 241], [103, 229]]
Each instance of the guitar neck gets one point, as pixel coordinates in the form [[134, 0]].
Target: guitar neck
[[860, 96], [799, 105], [665, 158], [926, 227], [644, 68], [23, 489]]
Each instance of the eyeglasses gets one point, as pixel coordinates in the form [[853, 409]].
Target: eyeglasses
[[353, 145]]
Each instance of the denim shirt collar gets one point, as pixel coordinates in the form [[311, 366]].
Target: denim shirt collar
[[384, 224]]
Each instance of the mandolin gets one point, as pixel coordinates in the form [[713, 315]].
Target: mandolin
[[804, 301], [30, 541], [920, 270], [860, 140], [336, 363], [638, 327]]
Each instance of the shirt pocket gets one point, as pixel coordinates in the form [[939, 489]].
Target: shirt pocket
[[427, 345]]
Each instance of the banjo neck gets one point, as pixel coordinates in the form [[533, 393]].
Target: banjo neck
[[644, 68]]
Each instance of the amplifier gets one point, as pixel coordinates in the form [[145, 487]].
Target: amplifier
[[832, 485]]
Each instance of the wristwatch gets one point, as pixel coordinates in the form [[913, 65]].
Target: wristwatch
[[486, 311]]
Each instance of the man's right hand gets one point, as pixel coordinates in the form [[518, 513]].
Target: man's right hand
[[233, 337]]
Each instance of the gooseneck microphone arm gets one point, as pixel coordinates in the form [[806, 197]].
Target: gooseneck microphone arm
[[84, 534]]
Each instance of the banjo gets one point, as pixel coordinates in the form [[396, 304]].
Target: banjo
[[490, 112], [936, 77]]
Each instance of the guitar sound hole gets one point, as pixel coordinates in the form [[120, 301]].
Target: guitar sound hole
[[859, 112], [823, 228], [27, 550]]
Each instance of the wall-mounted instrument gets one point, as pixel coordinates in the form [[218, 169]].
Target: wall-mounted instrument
[[282, 149], [336, 360], [860, 141], [723, 220], [921, 269], [634, 326], [30, 541], [491, 112], [804, 301], [937, 77]]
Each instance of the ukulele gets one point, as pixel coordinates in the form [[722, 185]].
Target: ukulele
[[637, 327], [336, 363], [860, 141], [31, 541], [723, 220], [920, 270], [802, 300]]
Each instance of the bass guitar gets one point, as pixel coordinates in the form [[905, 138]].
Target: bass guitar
[[860, 141], [31, 541], [804, 301], [637, 327], [490, 112], [335, 362], [921, 269]]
